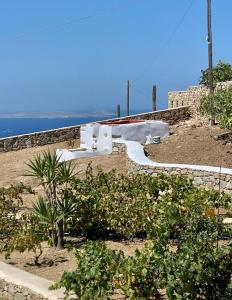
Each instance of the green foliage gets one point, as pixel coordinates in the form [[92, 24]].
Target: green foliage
[[139, 276], [19, 230], [220, 105], [131, 205], [182, 257], [198, 269], [93, 278], [221, 72], [55, 177]]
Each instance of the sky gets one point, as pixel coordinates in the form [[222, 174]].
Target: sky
[[76, 55]]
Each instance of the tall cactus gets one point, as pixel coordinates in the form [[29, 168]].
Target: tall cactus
[[154, 98], [118, 111]]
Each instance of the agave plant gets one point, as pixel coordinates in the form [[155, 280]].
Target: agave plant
[[54, 176]]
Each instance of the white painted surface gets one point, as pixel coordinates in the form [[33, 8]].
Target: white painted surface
[[136, 131], [30, 281], [65, 154], [104, 140], [135, 152]]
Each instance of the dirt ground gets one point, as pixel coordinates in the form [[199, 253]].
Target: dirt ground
[[54, 262], [187, 144], [190, 145], [14, 165]]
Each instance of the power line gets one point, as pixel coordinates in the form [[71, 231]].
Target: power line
[[139, 91], [56, 27], [165, 44]]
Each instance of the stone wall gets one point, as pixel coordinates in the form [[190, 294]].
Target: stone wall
[[19, 142], [10, 291], [192, 95], [202, 176], [201, 179], [16, 284]]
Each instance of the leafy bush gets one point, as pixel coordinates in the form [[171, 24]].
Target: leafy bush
[[219, 105], [93, 278], [182, 256], [139, 276], [221, 72], [19, 230], [198, 269], [132, 205], [192, 269]]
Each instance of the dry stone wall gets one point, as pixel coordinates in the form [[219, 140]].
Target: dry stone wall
[[11, 291], [191, 97], [201, 178], [19, 142]]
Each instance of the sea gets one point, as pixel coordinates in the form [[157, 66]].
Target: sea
[[17, 126]]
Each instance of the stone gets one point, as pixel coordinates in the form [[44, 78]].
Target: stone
[[19, 296], [198, 181]]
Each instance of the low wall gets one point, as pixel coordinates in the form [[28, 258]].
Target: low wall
[[19, 142], [192, 95], [16, 284], [203, 176]]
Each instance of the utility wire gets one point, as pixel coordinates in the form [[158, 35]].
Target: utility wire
[[59, 26], [169, 39], [139, 91]]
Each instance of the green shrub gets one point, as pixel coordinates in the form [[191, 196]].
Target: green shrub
[[219, 105], [93, 278], [19, 230], [182, 256], [140, 275], [221, 72], [198, 269]]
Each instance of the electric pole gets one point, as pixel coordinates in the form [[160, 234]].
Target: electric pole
[[128, 98], [210, 58]]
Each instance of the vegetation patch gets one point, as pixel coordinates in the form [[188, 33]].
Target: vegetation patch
[[184, 257]]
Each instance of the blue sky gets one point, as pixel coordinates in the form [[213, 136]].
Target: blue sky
[[76, 55]]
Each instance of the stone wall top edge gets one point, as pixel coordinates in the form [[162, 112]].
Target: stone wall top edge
[[78, 126], [40, 132]]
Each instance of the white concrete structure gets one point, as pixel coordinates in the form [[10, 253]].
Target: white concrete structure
[[104, 140], [96, 138], [136, 131], [90, 145]]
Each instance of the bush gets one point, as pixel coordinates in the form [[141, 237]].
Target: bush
[[182, 256], [140, 276], [192, 269], [19, 230], [198, 269], [128, 206], [221, 72], [93, 278], [219, 105]]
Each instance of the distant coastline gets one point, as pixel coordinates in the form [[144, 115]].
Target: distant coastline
[[54, 115]]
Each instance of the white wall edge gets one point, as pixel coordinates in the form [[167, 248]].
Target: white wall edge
[[136, 153], [36, 284]]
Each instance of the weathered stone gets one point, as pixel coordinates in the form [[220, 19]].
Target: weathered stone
[[19, 296]]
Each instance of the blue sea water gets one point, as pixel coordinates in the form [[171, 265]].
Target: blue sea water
[[16, 126]]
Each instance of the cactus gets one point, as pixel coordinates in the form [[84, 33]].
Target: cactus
[[154, 98], [118, 111]]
